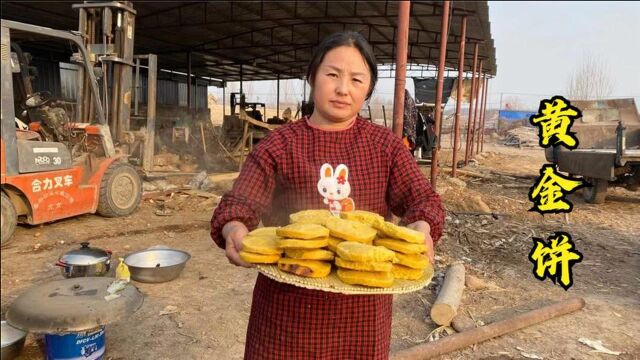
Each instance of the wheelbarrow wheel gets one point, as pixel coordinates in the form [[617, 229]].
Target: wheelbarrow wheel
[[120, 190], [9, 219]]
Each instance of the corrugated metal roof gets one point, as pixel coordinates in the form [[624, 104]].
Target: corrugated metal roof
[[271, 38]]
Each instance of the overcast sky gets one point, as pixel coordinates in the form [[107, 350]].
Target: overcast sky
[[538, 46]]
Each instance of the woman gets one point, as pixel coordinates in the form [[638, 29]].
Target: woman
[[282, 176]]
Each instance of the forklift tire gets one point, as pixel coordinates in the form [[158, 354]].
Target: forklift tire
[[9, 219], [597, 192], [120, 190]]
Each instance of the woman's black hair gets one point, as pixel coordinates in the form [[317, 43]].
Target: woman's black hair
[[344, 38]]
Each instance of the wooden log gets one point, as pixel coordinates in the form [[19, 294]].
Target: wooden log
[[483, 333], [448, 300], [462, 323]]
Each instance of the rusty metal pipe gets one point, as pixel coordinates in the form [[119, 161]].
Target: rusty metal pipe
[[456, 136], [402, 45], [481, 116], [444, 34], [484, 110], [466, 338], [473, 83], [476, 105]]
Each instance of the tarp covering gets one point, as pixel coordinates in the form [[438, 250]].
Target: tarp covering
[[515, 115], [425, 89]]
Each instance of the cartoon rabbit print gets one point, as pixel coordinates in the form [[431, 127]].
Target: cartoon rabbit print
[[335, 188]]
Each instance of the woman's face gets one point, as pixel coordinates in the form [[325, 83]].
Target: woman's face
[[341, 84]]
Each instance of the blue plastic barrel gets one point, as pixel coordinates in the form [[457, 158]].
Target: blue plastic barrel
[[76, 346]]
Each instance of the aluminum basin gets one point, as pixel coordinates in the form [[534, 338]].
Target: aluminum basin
[[156, 265]]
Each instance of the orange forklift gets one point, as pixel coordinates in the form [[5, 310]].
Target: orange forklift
[[52, 167]]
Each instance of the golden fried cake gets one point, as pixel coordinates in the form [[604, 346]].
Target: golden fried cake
[[362, 216], [264, 231], [310, 217], [313, 254], [353, 251], [254, 258], [401, 232], [307, 268], [364, 266], [401, 246], [262, 244], [382, 279], [351, 230], [302, 244], [414, 261], [333, 243], [303, 231], [406, 273]]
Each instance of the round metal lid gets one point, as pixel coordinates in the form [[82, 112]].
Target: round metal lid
[[71, 305], [85, 255]]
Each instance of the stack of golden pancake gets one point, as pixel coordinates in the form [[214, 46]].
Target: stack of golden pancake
[[363, 264], [261, 246], [367, 250], [409, 248], [303, 244]]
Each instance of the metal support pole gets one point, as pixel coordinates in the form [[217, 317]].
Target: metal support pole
[[476, 105], [384, 116], [441, 60], [224, 100], [402, 44], [189, 81], [482, 102], [277, 97], [473, 83], [304, 89], [149, 140], [136, 89], [484, 109], [456, 139], [240, 84]]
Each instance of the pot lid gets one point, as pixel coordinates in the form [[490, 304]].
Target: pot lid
[[85, 255], [71, 305]]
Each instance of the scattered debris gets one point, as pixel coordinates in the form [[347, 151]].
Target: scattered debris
[[455, 182], [522, 137], [169, 309], [475, 204], [200, 181], [529, 355], [475, 283], [598, 347]]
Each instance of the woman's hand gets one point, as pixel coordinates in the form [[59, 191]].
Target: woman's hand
[[424, 228], [233, 233]]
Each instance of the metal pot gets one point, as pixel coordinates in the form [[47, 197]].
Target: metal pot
[[12, 341], [86, 261]]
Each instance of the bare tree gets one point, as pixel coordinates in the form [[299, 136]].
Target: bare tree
[[590, 80]]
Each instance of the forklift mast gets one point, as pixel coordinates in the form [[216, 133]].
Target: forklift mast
[[8, 67]]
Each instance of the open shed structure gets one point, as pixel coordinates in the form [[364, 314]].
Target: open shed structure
[[218, 42]]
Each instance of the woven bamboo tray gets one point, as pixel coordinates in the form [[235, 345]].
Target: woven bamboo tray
[[331, 283]]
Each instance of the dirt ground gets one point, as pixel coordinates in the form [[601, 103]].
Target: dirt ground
[[213, 298]]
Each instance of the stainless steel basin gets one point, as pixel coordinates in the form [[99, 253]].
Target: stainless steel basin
[[156, 265]]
